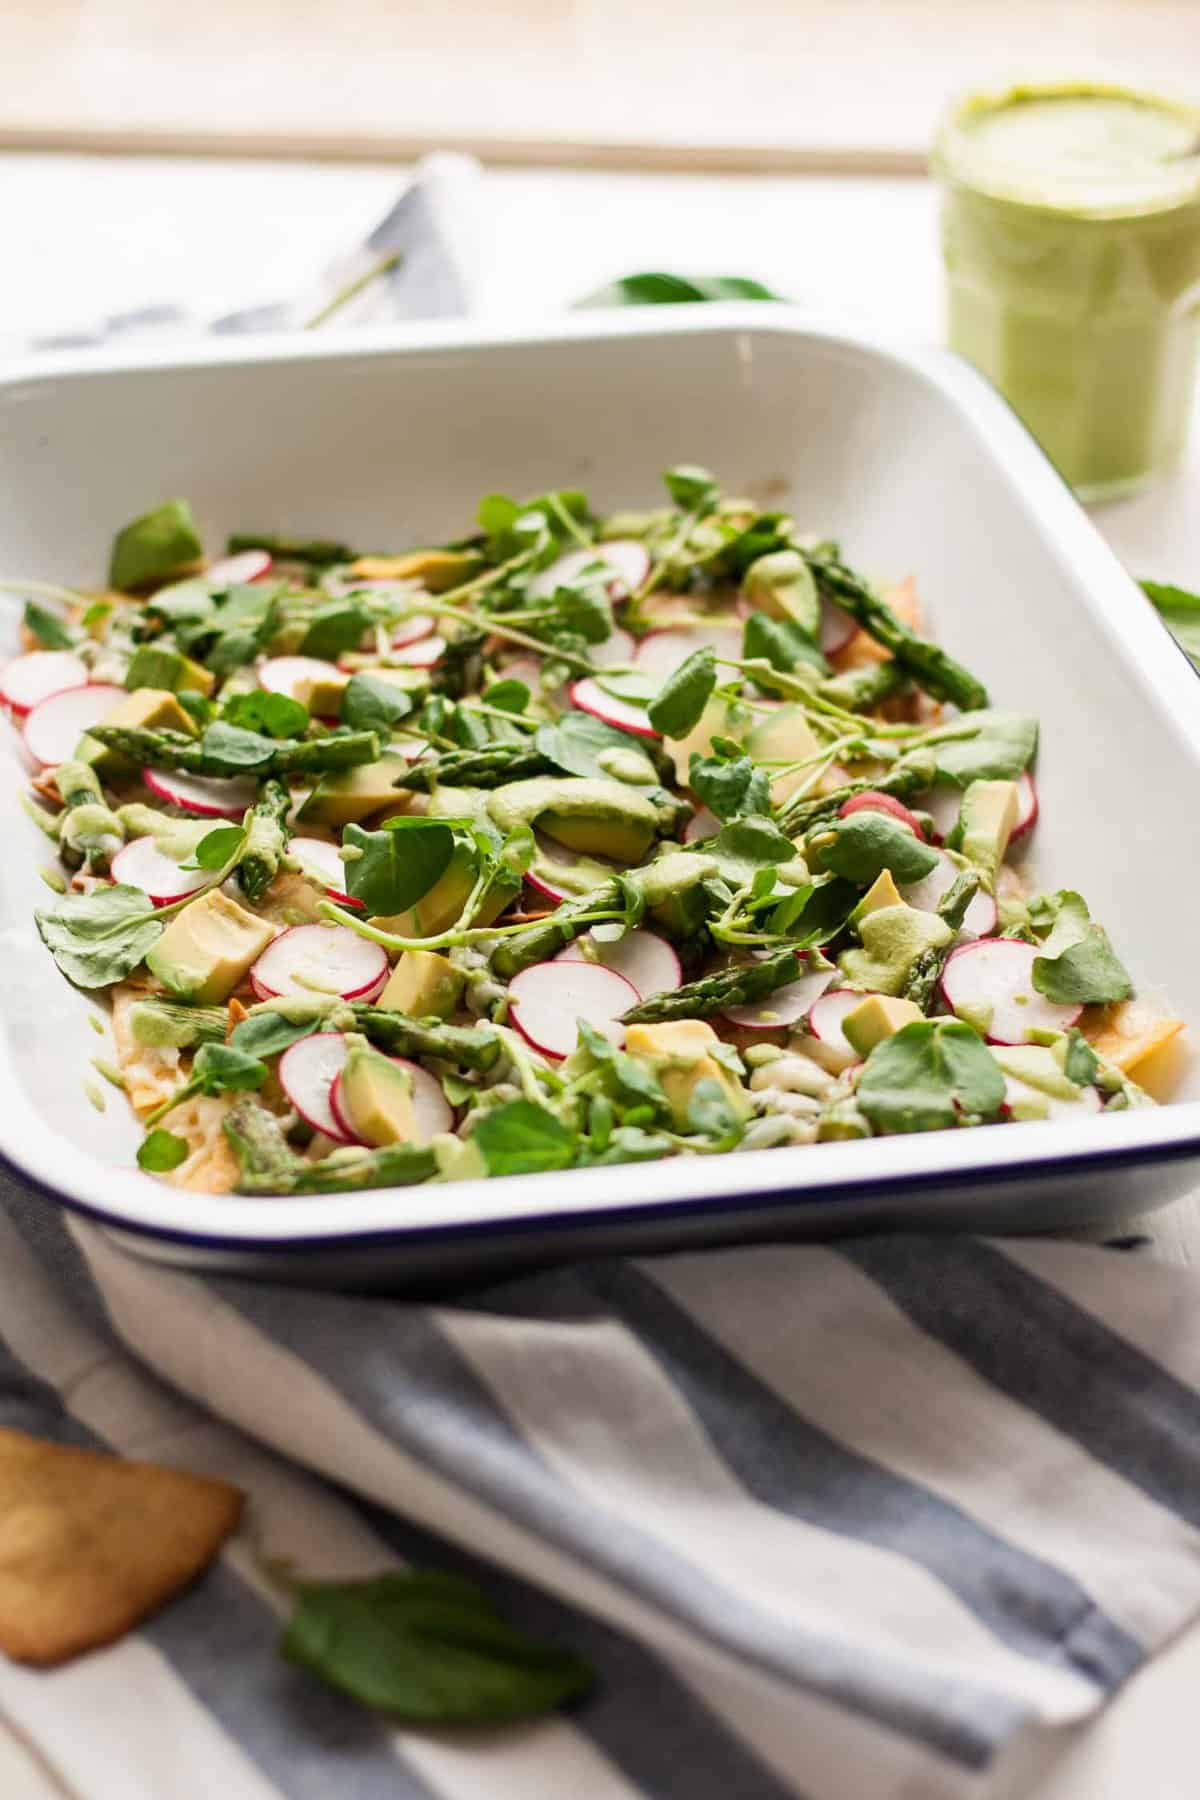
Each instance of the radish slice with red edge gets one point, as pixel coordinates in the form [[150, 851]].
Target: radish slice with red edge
[[647, 962], [943, 804], [419, 655], [208, 796], [702, 824], [619, 647], [411, 631], [590, 697], [786, 1006], [245, 565], [1056, 1107], [55, 725], [980, 918], [837, 628], [660, 652], [307, 1072], [320, 959], [283, 674], [321, 861], [28, 679], [142, 864], [874, 801], [825, 1022], [627, 563], [1027, 804], [432, 1112], [547, 1001], [990, 984]]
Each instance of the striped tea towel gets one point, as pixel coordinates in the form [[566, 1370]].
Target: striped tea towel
[[860, 1523]]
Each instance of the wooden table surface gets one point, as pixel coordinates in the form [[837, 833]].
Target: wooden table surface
[[685, 83]]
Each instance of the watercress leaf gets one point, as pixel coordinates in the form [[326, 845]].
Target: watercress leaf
[[224, 1068], [692, 489], [235, 747], [278, 715], [49, 630], [266, 1034], [370, 704], [711, 1112], [217, 848], [397, 867], [1077, 963], [576, 741], [161, 1151], [1081, 1064], [1180, 613], [429, 1648], [585, 611], [245, 620], [496, 514], [521, 1137], [781, 643], [1001, 744], [677, 707], [507, 696], [633, 685], [730, 789], [930, 1076], [752, 842], [154, 547], [199, 708], [631, 1143], [95, 614], [866, 843], [334, 628], [816, 913], [99, 938], [762, 537], [629, 1081]]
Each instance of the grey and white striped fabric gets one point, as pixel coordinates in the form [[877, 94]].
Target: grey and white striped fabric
[[887, 1519]]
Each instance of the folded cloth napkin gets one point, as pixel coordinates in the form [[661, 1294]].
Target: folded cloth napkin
[[851, 1523]]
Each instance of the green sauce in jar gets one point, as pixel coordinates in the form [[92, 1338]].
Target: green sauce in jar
[[1071, 232]]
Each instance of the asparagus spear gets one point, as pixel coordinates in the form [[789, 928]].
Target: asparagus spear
[[666, 880], [739, 986], [319, 551], [952, 907], [490, 768], [908, 778], [473, 1047], [266, 839], [860, 690], [172, 750], [165, 1023], [928, 663], [89, 832], [268, 1165]]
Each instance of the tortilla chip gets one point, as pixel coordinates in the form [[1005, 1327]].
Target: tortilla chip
[[89, 1544], [1129, 1033]]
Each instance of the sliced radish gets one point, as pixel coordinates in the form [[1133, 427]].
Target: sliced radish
[[28, 679], [320, 860], [660, 653], [618, 647], [55, 725], [627, 563], [391, 585], [411, 631], [1027, 803], [1056, 1107], [990, 984], [980, 916], [825, 1022], [307, 1072], [590, 697], [647, 962], [837, 628], [874, 801], [231, 571], [943, 804], [786, 1006], [421, 654], [142, 864], [702, 824], [283, 674], [432, 1113], [320, 959], [547, 1001], [208, 796]]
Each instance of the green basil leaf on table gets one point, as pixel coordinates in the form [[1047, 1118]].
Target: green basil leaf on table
[[932, 1075]]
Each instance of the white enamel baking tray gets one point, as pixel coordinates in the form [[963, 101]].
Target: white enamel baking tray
[[906, 456]]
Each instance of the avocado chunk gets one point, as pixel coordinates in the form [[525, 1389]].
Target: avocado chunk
[[424, 985], [782, 586], [151, 549], [154, 666], [442, 906], [1037, 1066], [882, 892], [680, 1053], [879, 1016], [786, 736], [586, 813], [208, 948], [893, 937], [151, 709], [376, 1096], [323, 694], [436, 570], [354, 794], [988, 818]]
